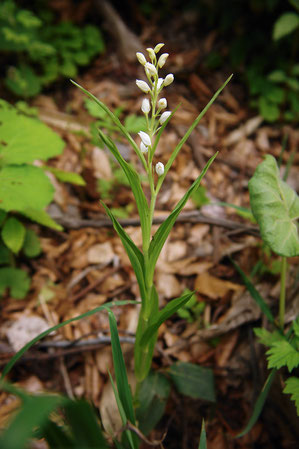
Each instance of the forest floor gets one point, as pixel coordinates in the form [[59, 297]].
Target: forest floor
[[85, 265]]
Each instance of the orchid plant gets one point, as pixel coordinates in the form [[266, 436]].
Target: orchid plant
[[144, 261]]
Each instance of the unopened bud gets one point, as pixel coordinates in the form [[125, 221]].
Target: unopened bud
[[159, 169], [169, 79], [145, 138], [162, 103], [141, 58], [160, 83], [164, 117], [151, 53], [158, 47], [145, 106], [143, 86], [151, 69], [143, 148], [162, 59]]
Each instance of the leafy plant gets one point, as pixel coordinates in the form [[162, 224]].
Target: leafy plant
[[41, 51], [275, 206], [25, 191]]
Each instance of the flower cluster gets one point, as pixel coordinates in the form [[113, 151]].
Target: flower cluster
[[153, 109]]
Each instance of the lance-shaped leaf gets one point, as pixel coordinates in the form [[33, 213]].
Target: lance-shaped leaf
[[162, 233], [135, 184], [116, 120], [275, 207], [134, 254], [163, 315]]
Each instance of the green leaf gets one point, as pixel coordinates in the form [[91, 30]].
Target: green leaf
[[55, 435], [268, 109], [34, 412], [268, 338], [41, 217], [31, 247], [16, 280], [134, 254], [134, 123], [25, 348], [203, 437], [282, 353], [3, 216], [285, 24], [259, 404], [13, 234], [66, 176], [135, 184], [163, 231], [24, 187], [123, 387], [5, 254], [23, 81], [275, 207], [152, 399], [163, 315], [292, 388], [25, 139], [193, 380], [254, 293], [84, 427]]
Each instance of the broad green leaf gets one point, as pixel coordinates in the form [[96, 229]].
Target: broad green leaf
[[275, 206], [24, 139], [84, 426], [259, 404], [135, 184], [3, 216], [282, 353], [254, 293], [23, 81], [203, 437], [292, 388], [143, 352], [193, 380], [55, 435], [25, 348], [41, 217], [31, 247], [134, 254], [34, 412], [23, 187], [134, 124], [162, 233], [16, 280], [13, 234], [268, 109], [5, 255], [172, 307], [186, 136], [152, 399], [66, 176], [285, 24]]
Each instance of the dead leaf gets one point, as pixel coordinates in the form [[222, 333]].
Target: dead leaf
[[25, 329], [100, 253], [213, 287]]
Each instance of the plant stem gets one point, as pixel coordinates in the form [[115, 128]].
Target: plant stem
[[282, 297]]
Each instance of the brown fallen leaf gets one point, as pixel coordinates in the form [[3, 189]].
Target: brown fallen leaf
[[213, 287]]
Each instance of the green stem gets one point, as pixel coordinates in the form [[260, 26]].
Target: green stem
[[282, 297]]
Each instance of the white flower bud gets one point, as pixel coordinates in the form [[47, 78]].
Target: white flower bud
[[151, 69], [169, 79], [162, 59], [145, 106], [141, 58], [143, 148], [143, 86], [145, 138], [158, 47], [151, 53], [159, 169], [160, 83], [164, 117], [162, 103]]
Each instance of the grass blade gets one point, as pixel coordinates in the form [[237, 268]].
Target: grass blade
[[259, 404], [254, 293], [25, 348], [203, 437]]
